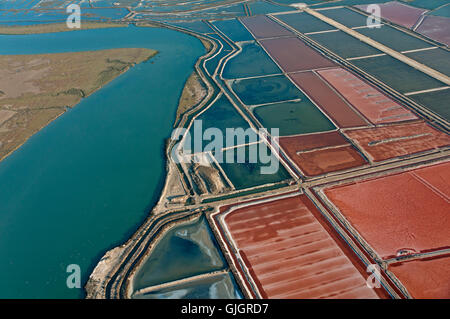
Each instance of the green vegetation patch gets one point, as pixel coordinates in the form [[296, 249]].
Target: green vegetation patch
[[252, 61], [266, 90], [394, 39], [293, 117], [343, 44], [438, 59], [437, 102], [247, 174], [397, 74]]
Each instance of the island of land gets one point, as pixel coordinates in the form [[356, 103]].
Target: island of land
[[36, 89], [56, 27]]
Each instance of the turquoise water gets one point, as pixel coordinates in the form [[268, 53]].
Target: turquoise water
[[300, 117], [84, 183], [248, 174]]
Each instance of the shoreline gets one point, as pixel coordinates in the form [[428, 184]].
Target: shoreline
[[113, 260]]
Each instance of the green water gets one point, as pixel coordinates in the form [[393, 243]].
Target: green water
[[248, 174], [438, 59], [188, 249], [293, 117], [222, 114], [436, 101], [353, 47], [83, 184], [266, 90], [212, 64], [426, 4], [346, 16], [304, 22]]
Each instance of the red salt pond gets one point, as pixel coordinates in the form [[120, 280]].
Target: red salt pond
[[291, 255], [372, 103], [321, 153], [292, 54], [407, 211], [398, 13], [386, 142], [327, 99], [425, 278], [439, 179], [263, 27]]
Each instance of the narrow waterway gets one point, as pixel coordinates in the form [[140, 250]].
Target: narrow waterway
[[85, 182]]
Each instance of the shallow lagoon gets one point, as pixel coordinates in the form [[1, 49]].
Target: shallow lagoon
[[83, 184], [269, 89], [188, 249]]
